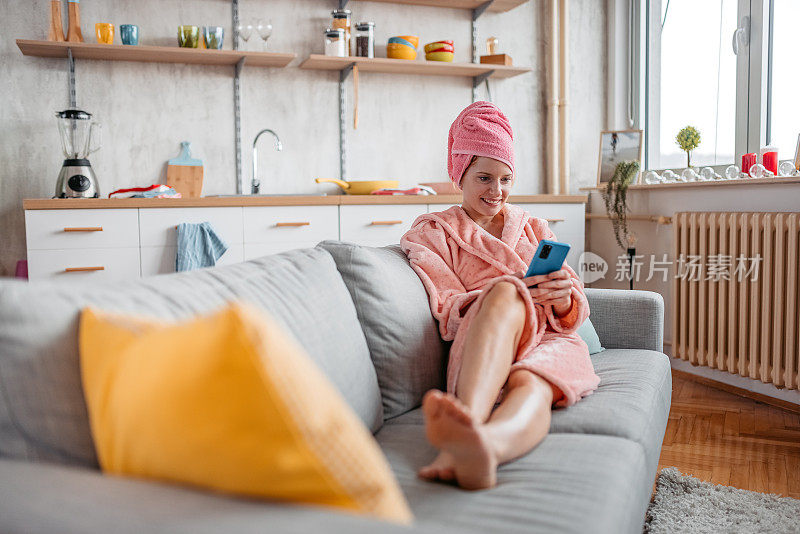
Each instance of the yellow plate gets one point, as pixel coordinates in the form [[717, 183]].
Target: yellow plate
[[361, 187]]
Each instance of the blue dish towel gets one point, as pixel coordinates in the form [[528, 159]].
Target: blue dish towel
[[198, 246]]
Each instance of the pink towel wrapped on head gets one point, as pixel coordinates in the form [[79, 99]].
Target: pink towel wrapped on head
[[459, 262], [481, 129]]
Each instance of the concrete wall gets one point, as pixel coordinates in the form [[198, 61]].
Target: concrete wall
[[147, 109]]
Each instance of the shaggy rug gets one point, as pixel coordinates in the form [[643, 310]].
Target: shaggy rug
[[686, 504]]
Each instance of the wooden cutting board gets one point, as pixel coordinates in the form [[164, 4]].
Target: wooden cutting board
[[185, 174]]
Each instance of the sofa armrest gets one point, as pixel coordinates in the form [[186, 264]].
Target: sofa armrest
[[626, 319]]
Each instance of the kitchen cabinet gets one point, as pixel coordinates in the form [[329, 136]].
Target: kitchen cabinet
[[113, 239], [84, 265], [377, 226], [77, 245], [273, 229]]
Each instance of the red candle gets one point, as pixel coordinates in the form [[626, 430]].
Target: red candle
[[770, 161], [748, 160]]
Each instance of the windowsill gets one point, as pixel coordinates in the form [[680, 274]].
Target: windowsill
[[716, 183]]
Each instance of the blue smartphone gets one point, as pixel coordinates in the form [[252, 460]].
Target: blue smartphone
[[549, 257]]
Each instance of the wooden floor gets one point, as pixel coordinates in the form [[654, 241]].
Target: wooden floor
[[727, 439]]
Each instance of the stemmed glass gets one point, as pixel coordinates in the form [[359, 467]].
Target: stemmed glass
[[245, 31], [264, 29]]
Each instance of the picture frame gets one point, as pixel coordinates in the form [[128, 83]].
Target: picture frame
[[617, 146]]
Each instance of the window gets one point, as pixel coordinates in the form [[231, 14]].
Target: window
[[783, 105], [725, 67], [696, 82]]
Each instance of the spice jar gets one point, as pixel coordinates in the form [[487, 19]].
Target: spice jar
[[334, 42], [341, 19], [365, 39]]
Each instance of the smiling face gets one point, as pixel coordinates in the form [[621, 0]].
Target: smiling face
[[486, 185]]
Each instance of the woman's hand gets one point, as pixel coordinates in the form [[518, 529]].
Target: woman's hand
[[554, 288]]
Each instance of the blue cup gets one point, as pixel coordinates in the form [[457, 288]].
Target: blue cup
[[213, 36], [129, 33]]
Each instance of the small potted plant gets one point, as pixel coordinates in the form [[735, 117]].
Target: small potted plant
[[688, 139], [615, 198]]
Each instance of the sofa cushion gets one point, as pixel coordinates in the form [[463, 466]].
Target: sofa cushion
[[393, 307], [228, 401], [42, 411], [40, 497], [568, 483], [632, 400]]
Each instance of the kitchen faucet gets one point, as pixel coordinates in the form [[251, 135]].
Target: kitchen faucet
[[256, 183]]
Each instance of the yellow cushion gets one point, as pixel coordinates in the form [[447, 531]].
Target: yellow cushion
[[229, 402]]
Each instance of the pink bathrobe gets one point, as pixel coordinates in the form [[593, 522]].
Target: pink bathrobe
[[459, 261]]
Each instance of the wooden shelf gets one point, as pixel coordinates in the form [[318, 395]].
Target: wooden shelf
[[405, 66], [498, 6], [152, 54]]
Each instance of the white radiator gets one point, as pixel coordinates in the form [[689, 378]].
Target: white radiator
[[733, 317]]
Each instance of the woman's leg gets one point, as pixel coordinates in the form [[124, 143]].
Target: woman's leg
[[489, 349], [522, 420], [472, 447]]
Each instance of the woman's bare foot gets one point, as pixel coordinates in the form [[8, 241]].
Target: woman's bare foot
[[442, 468], [465, 451]]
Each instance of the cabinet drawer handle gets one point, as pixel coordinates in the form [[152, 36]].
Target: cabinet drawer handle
[[554, 220], [384, 223], [84, 229], [282, 224], [79, 269]]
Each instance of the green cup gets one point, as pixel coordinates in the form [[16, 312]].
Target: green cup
[[188, 36]]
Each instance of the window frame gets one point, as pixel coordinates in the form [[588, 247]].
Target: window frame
[[752, 75]]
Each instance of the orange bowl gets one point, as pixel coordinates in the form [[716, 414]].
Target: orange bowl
[[400, 51], [413, 39]]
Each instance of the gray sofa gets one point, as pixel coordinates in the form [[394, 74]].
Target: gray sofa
[[362, 314]]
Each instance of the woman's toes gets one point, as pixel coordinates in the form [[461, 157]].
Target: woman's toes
[[431, 403], [447, 473]]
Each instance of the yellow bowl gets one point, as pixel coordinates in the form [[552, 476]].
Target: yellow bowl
[[430, 47], [413, 39], [439, 56], [400, 51]]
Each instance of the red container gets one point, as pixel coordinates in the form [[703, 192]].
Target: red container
[[748, 160], [770, 161]]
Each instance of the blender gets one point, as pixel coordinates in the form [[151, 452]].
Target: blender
[[76, 179]]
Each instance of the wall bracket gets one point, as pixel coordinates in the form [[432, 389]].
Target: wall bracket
[[478, 11], [480, 78], [73, 99], [343, 75], [237, 101]]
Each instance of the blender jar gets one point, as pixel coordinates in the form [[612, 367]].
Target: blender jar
[[76, 129]]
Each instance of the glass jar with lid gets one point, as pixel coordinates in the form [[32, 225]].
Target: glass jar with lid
[[335, 42], [365, 39], [341, 19]]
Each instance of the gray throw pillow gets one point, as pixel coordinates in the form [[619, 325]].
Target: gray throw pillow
[[393, 307]]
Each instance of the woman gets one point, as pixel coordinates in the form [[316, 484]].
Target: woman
[[511, 342]]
